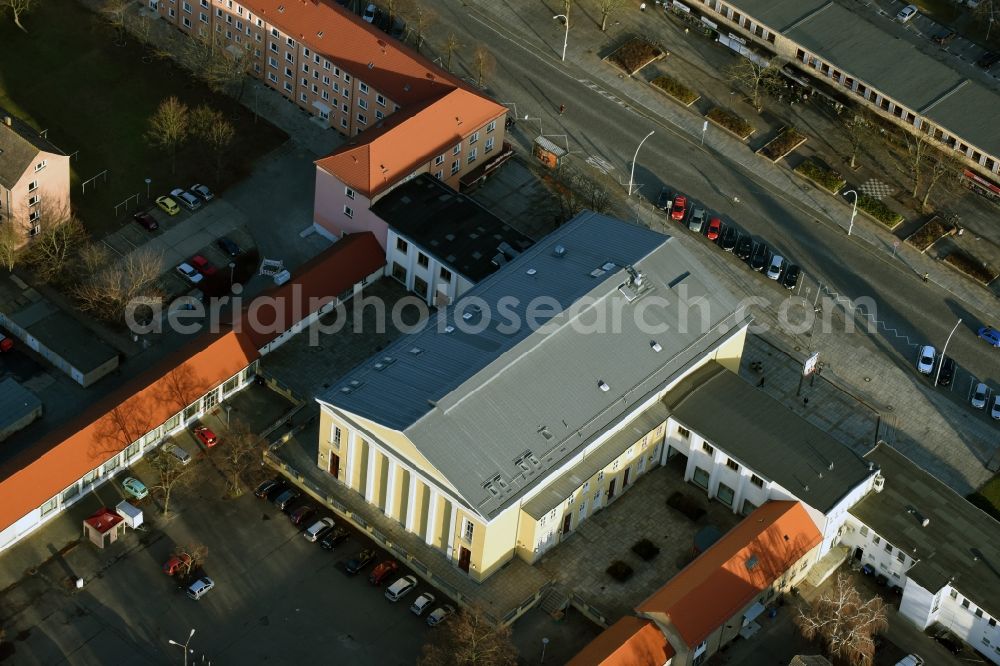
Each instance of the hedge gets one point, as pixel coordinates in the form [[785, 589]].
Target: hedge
[[782, 144], [620, 571], [730, 121], [676, 89], [635, 54], [879, 210], [928, 234], [971, 266], [826, 178]]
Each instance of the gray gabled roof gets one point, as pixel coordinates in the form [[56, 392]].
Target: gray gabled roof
[[19, 144], [767, 437], [508, 403], [960, 545]]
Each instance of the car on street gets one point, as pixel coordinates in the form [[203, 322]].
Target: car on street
[[203, 265], [679, 210], [135, 487], [200, 587], [663, 200], [759, 257], [925, 359], [988, 59], [775, 267], [318, 529], [371, 11], [949, 641], [146, 221], [990, 335], [206, 436], [906, 14], [168, 205], [182, 456], [947, 371], [995, 407], [6, 344], [439, 615], [382, 571], [744, 248], [176, 564], [228, 246], [422, 603], [334, 538], [791, 279], [188, 200], [728, 240], [284, 499], [202, 191], [697, 220], [714, 229], [943, 37], [401, 588], [302, 515], [188, 272], [359, 562], [268, 489], [979, 395]]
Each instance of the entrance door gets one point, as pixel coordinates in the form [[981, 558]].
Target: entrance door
[[464, 558], [625, 477], [334, 465], [611, 489], [858, 553], [567, 521]]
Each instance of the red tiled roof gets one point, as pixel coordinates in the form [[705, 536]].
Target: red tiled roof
[[631, 641], [108, 426], [391, 150], [323, 278], [103, 519], [736, 569]]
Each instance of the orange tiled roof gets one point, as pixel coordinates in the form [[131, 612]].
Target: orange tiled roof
[[392, 149], [317, 282], [631, 641], [30, 479], [736, 569]]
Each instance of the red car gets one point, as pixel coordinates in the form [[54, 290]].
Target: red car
[[202, 264], [714, 229], [6, 344], [383, 571], [206, 436], [679, 209], [146, 220], [176, 564], [301, 515]]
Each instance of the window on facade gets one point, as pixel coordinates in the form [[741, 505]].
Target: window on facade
[[50, 506], [683, 432], [489, 145], [439, 160], [707, 448], [888, 548], [348, 211], [732, 464], [492, 126], [402, 245], [700, 477], [132, 450], [335, 436], [965, 603], [474, 137], [725, 494], [349, 192], [363, 103], [953, 594], [979, 612], [423, 260], [472, 155], [70, 493], [439, 174], [111, 465], [363, 119], [363, 87], [380, 100], [756, 480], [190, 411], [455, 166], [467, 531], [992, 622], [457, 149]]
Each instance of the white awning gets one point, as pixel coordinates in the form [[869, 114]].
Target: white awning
[[753, 612]]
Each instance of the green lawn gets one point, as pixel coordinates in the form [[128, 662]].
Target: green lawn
[[68, 77]]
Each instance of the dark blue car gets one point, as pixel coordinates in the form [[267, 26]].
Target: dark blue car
[[990, 335]]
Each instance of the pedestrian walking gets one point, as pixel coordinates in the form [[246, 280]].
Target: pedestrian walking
[[562, 108], [642, 7], [760, 384]]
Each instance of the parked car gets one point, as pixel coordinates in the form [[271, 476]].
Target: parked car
[[663, 200], [949, 641], [188, 200], [146, 221], [911, 660], [188, 272], [302, 515], [202, 191], [759, 257], [925, 359], [990, 335], [182, 456], [203, 265], [714, 229], [775, 267], [744, 248], [679, 209], [206, 436], [947, 371], [371, 11], [228, 246], [439, 615], [200, 587], [359, 562], [989, 59], [422, 603], [6, 344], [177, 564], [697, 220], [383, 571], [979, 396], [168, 205], [728, 239], [284, 499], [398, 28], [943, 37], [907, 13], [995, 407], [318, 529], [269, 489], [334, 538], [401, 588], [791, 279], [135, 488]]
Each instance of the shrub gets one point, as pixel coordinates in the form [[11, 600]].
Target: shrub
[[879, 210], [689, 507], [971, 266], [675, 89], [730, 121], [826, 178], [635, 54], [620, 571], [929, 233], [782, 144], [645, 549]]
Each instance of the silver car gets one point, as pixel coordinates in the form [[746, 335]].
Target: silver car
[[188, 200], [697, 220], [177, 452], [189, 273], [439, 615], [202, 191], [979, 395]]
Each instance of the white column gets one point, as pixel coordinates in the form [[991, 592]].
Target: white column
[[390, 490], [370, 480], [411, 503], [350, 449], [432, 510], [451, 531]]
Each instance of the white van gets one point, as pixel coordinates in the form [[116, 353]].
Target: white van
[[910, 660], [401, 588]]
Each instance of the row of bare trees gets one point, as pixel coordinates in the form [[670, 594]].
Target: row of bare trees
[[173, 124]]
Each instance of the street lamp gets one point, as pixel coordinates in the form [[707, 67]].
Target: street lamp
[[184, 646], [148, 181], [854, 212], [566, 38], [232, 267], [632, 175], [545, 644], [943, 350]]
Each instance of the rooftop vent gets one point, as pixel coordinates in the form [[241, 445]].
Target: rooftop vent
[[559, 251], [628, 291], [609, 266], [751, 563], [320, 34], [603, 385], [924, 522], [281, 9], [449, 329], [597, 272], [371, 65], [531, 271], [655, 346], [381, 43], [406, 88]]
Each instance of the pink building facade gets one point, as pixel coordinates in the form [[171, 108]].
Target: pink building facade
[[34, 178]]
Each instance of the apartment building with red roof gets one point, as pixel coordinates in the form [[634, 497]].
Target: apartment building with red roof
[[404, 114]]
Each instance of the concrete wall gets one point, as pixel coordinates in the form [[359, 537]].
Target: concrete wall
[[443, 285]]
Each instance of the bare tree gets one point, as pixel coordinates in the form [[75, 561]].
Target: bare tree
[[420, 18], [215, 133], [470, 639], [577, 191], [192, 557], [168, 128], [107, 286], [53, 252], [450, 46], [844, 622], [116, 13], [860, 128], [18, 8], [942, 165], [170, 472], [914, 161], [12, 239], [987, 12], [757, 78], [243, 445], [483, 64], [396, 8], [608, 9]]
